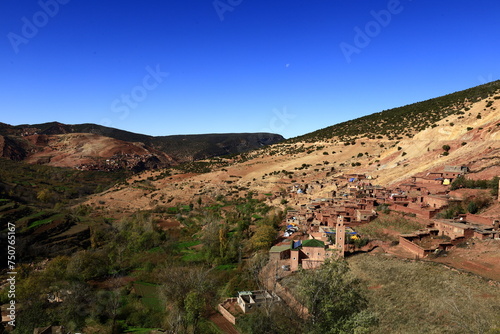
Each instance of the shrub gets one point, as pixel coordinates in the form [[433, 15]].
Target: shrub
[[472, 207]]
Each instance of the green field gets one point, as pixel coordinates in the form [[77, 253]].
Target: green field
[[149, 295]]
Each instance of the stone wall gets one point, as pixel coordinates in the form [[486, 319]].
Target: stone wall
[[419, 213], [410, 246], [225, 313]]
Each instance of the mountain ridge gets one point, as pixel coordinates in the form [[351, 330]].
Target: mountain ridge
[[406, 120], [21, 141]]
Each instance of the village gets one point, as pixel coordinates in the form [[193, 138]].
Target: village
[[322, 228], [134, 162], [330, 223]]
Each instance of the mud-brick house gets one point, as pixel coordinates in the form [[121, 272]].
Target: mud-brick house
[[299, 217], [422, 243], [428, 178], [413, 243], [409, 187], [367, 203], [454, 229], [486, 233], [467, 229], [377, 191], [452, 172], [436, 201], [484, 227], [252, 300], [309, 254], [399, 198], [476, 219], [324, 216], [280, 252], [365, 216]]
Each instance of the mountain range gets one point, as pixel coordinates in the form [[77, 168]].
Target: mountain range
[[91, 146]]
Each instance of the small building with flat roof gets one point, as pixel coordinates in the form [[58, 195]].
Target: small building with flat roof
[[252, 300]]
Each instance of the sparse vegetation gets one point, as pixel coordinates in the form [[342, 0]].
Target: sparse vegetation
[[378, 229], [464, 182], [426, 295], [394, 123]]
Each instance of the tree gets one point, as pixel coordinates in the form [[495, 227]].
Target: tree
[[280, 319], [494, 186], [86, 265], [335, 299], [263, 237], [213, 235], [194, 304], [186, 293], [472, 207]]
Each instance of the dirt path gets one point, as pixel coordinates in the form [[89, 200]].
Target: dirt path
[[223, 324]]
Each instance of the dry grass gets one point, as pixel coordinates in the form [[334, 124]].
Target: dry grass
[[388, 228], [423, 297]]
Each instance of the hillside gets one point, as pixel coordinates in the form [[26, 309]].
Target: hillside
[[405, 121], [472, 133], [65, 145]]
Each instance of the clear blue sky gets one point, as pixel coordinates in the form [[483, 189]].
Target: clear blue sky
[[164, 67]]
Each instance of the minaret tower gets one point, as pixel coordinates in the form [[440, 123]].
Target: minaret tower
[[340, 235]]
